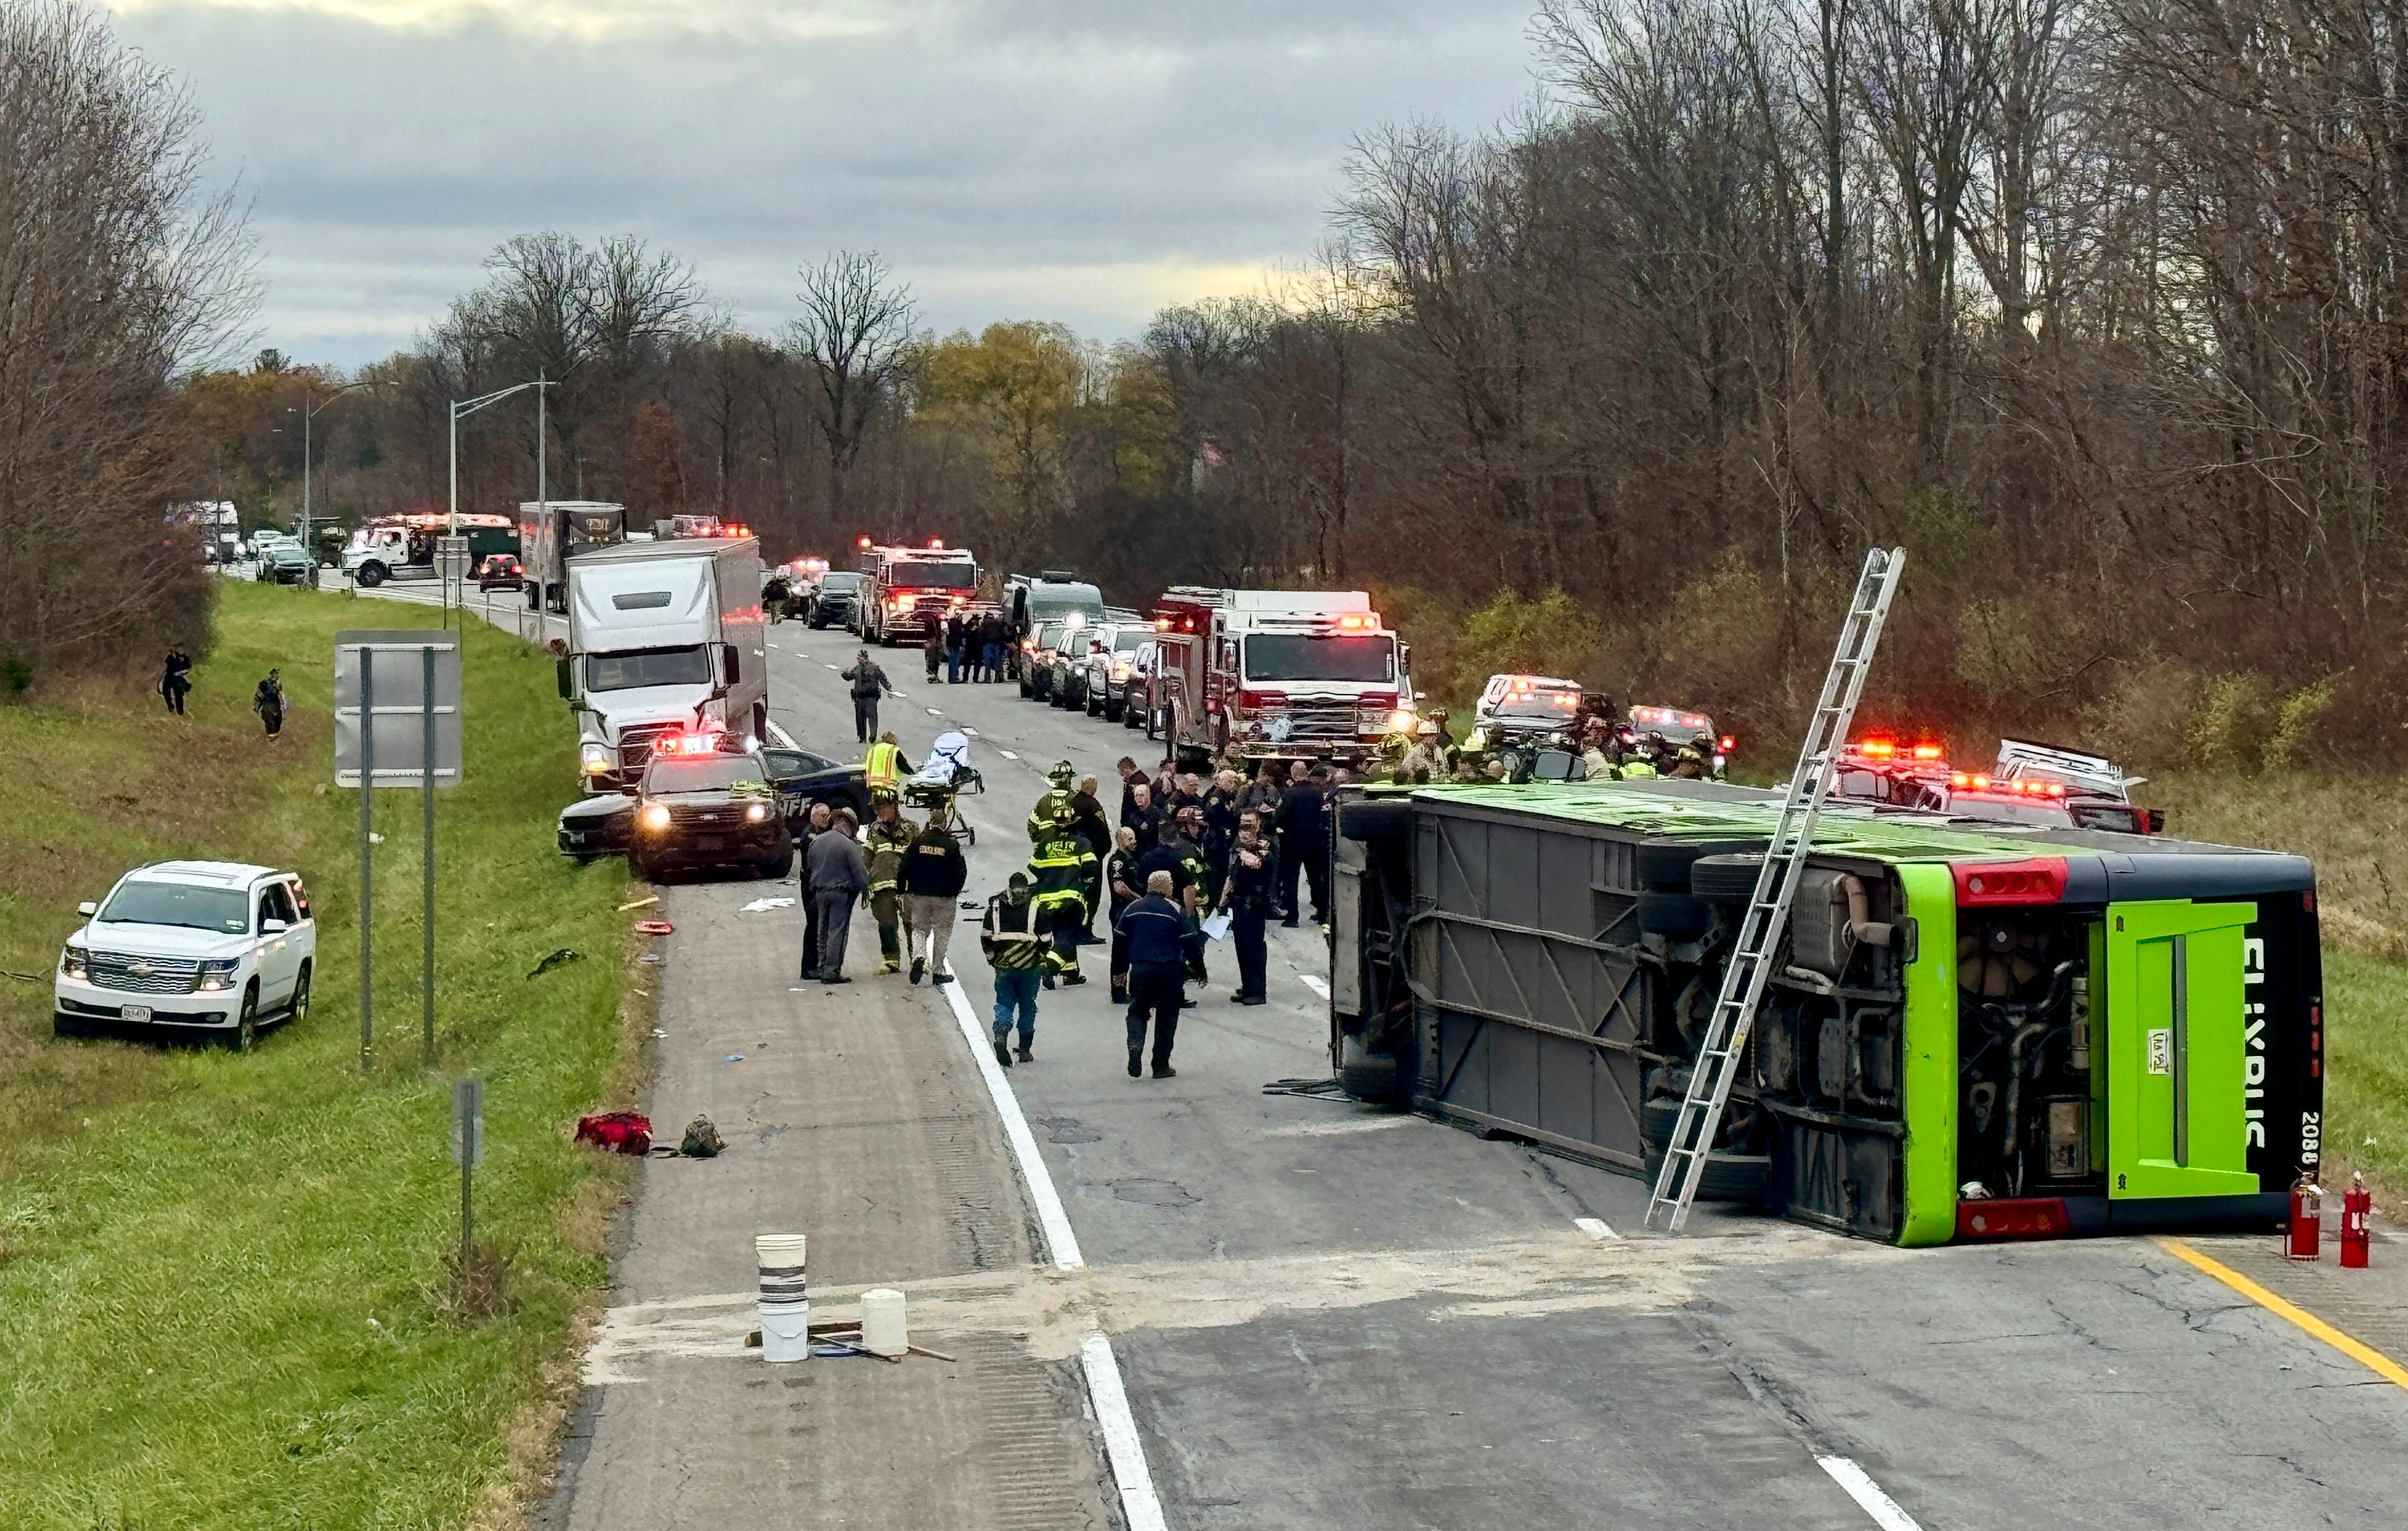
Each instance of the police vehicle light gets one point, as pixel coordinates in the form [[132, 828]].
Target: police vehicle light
[[1729, 743], [1877, 749], [755, 812], [689, 744], [656, 817], [1927, 751]]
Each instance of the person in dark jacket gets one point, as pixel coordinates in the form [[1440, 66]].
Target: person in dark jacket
[[1248, 893], [1142, 814], [954, 628], [934, 870], [1157, 933], [176, 678], [839, 876], [269, 702], [1304, 847], [1220, 826], [1123, 884], [1097, 831], [869, 683], [932, 648], [821, 821], [1016, 949], [1262, 794], [993, 635]]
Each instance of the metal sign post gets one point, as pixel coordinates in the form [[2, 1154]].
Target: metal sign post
[[396, 698], [451, 569], [467, 1149]]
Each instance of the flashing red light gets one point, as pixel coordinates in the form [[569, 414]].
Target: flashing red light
[[1877, 750], [1162, 624], [1566, 700], [2024, 1217], [936, 542], [688, 744], [1729, 743], [1262, 699], [1353, 621], [861, 542], [2037, 880], [1927, 751]]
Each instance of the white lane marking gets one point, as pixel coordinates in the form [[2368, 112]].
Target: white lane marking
[[933, 713], [781, 735], [1336, 1129], [1868, 1495], [1050, 1218], [1595, 1228], [1139, 1508], [830, 667], [969, 733], [1007, 754], [1315, 982], [1121, 1442]]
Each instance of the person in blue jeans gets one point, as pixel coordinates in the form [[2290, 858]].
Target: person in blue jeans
[[1158, 935], [1016, 950]]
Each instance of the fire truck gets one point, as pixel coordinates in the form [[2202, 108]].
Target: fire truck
[[1279, 674], [909, 587]]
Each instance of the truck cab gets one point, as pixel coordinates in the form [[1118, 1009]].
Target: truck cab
[[403, 547], [665, 639], [909, 588]]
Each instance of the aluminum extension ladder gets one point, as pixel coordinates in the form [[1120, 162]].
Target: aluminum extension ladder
[[1776, 887]]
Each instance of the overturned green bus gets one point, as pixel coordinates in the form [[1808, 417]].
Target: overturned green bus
[[1974, 1031]]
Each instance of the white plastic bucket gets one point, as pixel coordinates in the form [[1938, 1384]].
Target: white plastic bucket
[[883, 1329], [785, 1300]]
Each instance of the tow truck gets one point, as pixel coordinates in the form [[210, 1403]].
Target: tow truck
[[907, 588], [403, 547], [1278, 674]]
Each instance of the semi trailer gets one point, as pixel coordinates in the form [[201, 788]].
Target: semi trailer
[[1973, 1031]]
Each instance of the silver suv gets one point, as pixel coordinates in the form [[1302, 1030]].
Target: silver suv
[[206, 948]]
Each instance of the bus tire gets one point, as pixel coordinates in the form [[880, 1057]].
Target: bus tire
[[1676, 916]]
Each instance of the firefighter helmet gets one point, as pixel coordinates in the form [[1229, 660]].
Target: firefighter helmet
[[1063, 773]]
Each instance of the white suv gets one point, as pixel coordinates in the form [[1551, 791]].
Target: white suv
[[207, 945]]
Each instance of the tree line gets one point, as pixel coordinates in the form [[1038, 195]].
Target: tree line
[[2092, 303]]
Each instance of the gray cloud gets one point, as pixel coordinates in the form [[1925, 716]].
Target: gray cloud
[[1020, 158]]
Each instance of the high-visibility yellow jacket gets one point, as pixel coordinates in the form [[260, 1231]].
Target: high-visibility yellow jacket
[[1041, 818], [884, 765]]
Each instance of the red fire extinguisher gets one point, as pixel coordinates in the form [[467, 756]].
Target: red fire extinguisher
[[2307, 1235], [2356, 1204]]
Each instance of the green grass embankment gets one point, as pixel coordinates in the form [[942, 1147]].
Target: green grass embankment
[[223, 1298]]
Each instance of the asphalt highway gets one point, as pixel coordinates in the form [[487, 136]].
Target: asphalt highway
[[1371, 1320]]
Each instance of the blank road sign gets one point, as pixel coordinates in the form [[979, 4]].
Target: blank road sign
[[390, 669]]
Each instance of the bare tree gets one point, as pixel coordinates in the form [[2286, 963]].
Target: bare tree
[[855, 329]]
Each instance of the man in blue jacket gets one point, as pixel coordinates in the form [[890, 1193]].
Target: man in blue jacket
[[1155, 929]]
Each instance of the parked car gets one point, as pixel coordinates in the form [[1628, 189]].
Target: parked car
[[1099, 679], [282, 562], [501, 571], [1137, 708], [836, 603], [197, 947]]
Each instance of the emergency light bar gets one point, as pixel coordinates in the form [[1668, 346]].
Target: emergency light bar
[[1696, 723], [687, 744]]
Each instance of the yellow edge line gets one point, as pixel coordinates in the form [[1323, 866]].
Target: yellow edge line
[[2356, 1350]]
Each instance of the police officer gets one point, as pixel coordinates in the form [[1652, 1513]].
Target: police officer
[[1055, 803], [888, 842], [1061, 868], [868, 683]]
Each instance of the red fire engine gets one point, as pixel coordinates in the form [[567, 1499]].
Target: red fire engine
[[1279, 674]]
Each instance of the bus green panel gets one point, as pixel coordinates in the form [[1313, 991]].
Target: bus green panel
[[1928, 1092], [2175, 1050]]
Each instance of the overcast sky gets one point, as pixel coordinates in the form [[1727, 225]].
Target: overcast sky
[[1087, 161]]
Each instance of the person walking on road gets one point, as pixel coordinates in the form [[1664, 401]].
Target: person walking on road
[[1304, 847], [991, 641], [269, 702], [869, 684], [932, 648], [821, 822], [933, 871], [839, 876], [884, 767], [1122, 881], [1157, 931], [1016, 950], [1062, 868], [889, 840], [176, 680], [1248, 893]]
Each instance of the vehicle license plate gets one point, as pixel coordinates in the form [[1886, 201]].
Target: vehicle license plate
[[137, 1012]]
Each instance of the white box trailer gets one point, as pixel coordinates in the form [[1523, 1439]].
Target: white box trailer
[[551, 532], [664, 637]]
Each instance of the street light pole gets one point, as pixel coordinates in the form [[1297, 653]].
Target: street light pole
[[309, 412]]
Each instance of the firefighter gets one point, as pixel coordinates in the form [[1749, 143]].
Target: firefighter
[[1062, 868], [1052, 806], [1694, 760], [888, 842], [884, 767], [1639, 762]]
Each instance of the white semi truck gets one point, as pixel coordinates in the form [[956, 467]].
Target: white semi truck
[[664, 638]]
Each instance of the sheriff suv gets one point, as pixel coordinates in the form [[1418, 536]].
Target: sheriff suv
[[708, 803], [201, 948]]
